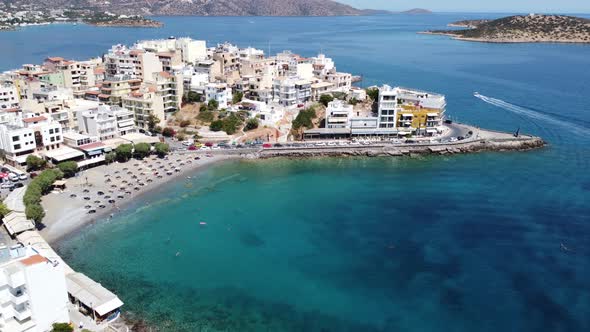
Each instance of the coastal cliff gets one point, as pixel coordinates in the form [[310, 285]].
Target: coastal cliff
[[522, 29]]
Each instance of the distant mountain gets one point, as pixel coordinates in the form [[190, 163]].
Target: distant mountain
[[203, 7], [416, 11], [524, 29]]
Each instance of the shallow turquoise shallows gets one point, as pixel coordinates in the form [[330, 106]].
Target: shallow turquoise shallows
[[459, 243]]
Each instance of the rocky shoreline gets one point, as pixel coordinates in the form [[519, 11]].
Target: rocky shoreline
[[129, 24]]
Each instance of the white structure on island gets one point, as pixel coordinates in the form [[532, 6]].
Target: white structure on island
[[33, 293]]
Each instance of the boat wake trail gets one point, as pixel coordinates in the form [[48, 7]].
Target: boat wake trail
[[534, 115]]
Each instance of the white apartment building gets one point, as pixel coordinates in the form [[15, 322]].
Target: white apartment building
[[291, 91], [33, 293], [219, 92], [338, 114], [8, 96], [191, 51], [342, 81], [125, 121], [100, 123], [322, 65], [48, 134], [134, 63], [17, 143]]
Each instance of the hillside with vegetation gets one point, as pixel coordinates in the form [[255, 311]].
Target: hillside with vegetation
[[524, 29], [204, 7]]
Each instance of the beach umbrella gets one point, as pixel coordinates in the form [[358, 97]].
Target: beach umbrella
[[118, 177], [102, 206], [96, 202], [121, 196], [85, 190], [125, 168], [87, 207], [87, 198], [107, 175], [100, 193], [108, 180], [128, 193], [124, 181], [116, 172], [112, 201], [136, 188], [91, 211], [72, 195], [113, 186], [149, 180], [107, 197]]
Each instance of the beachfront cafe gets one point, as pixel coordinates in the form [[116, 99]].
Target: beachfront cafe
[[92, 299], [64, 153], [94, 154]]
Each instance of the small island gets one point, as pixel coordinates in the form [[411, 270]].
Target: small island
[[530, 28]]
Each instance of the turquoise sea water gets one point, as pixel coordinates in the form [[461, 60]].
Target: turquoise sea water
[[460, 243]]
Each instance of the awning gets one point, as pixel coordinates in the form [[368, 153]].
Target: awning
[[59, 183], [92, 294], [17, 222], [91, 161], [432, 114], [433, 131], [64, 153], [328, 131]]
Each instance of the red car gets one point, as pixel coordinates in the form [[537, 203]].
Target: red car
[[209, 144], [192, 148], [267, 145]]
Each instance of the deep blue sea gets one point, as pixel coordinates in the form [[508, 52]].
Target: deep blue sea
[[481, 242]]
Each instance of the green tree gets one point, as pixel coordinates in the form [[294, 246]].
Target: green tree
[[162, 149], [304, 119], [142, 150], [193, 97], [110, 157], [35, 163], [213, 105], [203, 108], [185, 123], [4, 210], [251, 124], [152, 122], [69, 168], [206, 116], [62, 327], [216, 125], [35, 212], [124, 152], [168, 132], [325, 99], [373, 93], [237, 97]]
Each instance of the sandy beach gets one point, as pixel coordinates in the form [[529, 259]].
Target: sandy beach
[[99, 192]]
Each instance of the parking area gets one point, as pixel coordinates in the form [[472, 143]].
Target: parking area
[[10, 179]]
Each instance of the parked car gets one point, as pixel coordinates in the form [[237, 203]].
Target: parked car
[[460, 138], [33, 175], [216, 147], [278, 145], [205, 147], [239, 146], [331, 143], [301, 105], [23, 176], [192, 148], [209, 144], [453, 139], [12, 177], [355, 143], [266, 145], [7, 185], [19, 185], [320, 144]]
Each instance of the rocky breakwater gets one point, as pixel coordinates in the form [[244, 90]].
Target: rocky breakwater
[[522, 143]]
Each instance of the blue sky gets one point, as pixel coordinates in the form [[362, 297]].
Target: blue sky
[[503, 6]]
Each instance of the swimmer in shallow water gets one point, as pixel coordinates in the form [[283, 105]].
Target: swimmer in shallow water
[[177, 253]]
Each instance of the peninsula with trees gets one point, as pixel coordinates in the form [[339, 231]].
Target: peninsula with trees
[[532, 28]]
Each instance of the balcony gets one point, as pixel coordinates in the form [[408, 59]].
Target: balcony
[[22, 314]]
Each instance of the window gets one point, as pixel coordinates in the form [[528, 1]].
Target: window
[[51, 131], [17, 146], [56, 130]]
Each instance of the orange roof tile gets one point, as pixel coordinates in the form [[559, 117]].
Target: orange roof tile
[[55, 59], [99, 70], [135, 52], [35, 259], [34, 119], [92, 92], [165, 74]]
